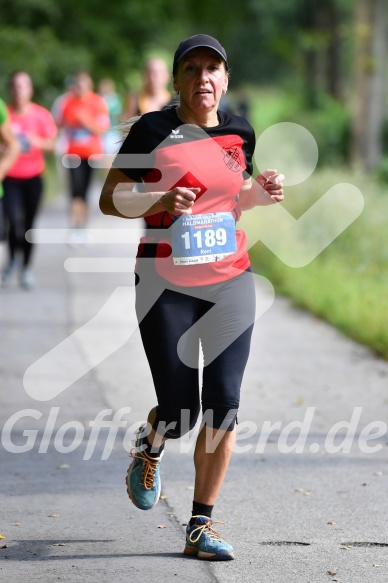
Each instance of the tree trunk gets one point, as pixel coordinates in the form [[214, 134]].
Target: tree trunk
[[333, 60], [370, 80], [309, 25]]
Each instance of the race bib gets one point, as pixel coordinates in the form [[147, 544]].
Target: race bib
[[25, 145], [199, 239], [80, 135]]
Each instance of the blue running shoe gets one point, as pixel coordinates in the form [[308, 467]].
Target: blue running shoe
[[143, 479], [205, 543]]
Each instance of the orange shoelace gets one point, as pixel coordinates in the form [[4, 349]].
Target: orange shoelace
[[149, 468], [200, 528]]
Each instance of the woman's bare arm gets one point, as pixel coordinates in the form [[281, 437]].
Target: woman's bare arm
[[120, 200]]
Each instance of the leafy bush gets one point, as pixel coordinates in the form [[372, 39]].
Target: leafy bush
[[330, 124], [347, 283]]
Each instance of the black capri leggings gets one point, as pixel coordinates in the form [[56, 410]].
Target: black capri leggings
[[80, 179], [172, 323], [21, 203]]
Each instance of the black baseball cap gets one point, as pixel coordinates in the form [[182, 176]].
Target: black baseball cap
[[196, 41]]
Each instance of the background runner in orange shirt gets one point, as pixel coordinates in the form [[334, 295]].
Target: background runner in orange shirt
[[85, 116]]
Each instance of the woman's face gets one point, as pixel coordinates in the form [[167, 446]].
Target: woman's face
[[21, 88], [156, 75], [82, 84], [201, 79]]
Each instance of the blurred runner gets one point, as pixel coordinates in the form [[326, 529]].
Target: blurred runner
[[154, 95], [85, 116], [35, 129]]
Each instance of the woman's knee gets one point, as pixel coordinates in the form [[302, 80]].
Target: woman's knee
[[220, 417], [175, 426]]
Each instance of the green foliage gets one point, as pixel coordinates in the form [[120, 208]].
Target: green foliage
[[30, 13], [112, 38], [330, 124], [272, 105], [43, 56], [381, 171], [50, 39], [266, 44], [347, 283]]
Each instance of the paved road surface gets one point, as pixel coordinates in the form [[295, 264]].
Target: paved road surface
[[292, 516]]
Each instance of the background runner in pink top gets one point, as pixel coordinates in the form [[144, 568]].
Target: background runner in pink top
[[35, 130], [30, 126]]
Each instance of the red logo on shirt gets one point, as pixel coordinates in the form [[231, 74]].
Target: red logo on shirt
[[232, 158]]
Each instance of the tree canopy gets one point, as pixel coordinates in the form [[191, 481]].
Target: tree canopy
[[52, 38], [312, 46]]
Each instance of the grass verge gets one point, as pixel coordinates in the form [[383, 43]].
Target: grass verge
[[347, 283]]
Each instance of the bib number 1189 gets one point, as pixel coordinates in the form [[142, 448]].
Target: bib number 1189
[[208, 238], [203, 238]]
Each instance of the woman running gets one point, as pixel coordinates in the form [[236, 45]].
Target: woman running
[[194, 284], [154, 94], [85, 117], [36, 131]]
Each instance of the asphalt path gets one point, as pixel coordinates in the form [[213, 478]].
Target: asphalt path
[[305, 497]]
